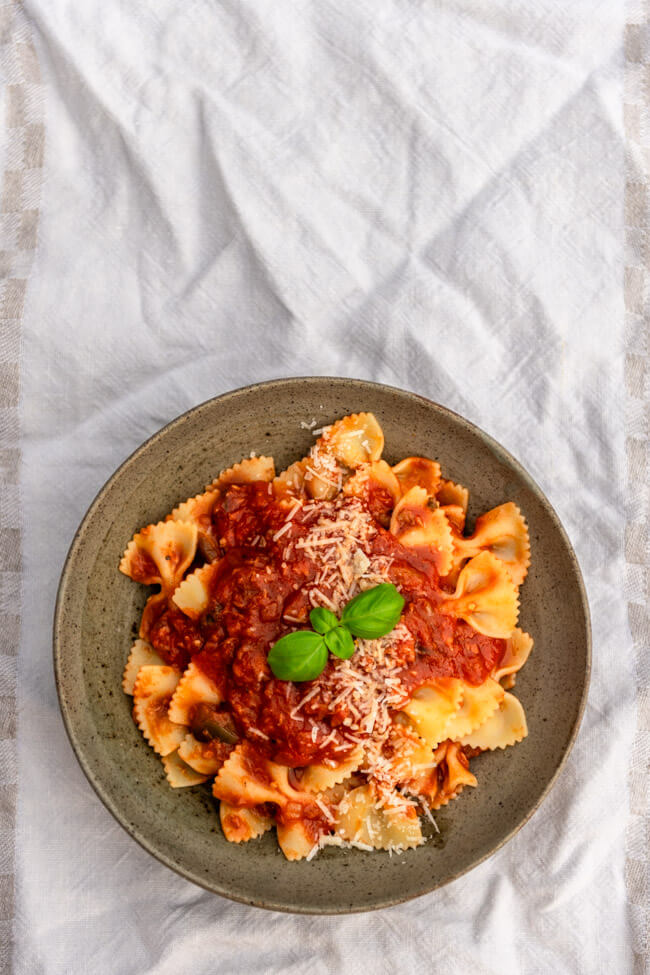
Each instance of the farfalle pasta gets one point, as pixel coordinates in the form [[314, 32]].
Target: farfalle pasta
[[364, 753]]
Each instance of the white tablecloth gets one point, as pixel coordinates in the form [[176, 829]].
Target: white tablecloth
[[423, 193]]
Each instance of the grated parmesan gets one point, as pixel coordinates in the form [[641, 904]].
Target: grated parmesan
[[281, 531], [256, 731], [365, 690], [326, 812]]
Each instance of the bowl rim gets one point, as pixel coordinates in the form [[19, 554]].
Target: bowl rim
[[59, 622]]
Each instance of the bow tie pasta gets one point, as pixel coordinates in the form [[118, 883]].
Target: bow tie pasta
[[362, 754]]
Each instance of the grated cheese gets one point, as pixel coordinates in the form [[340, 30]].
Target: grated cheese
[[256, 731], [315, 542], [315, 594], [297, 505], [312, 853], [426, 809], [281, 531], [310, 474], [364, 691], [312, 693], [326, 812]]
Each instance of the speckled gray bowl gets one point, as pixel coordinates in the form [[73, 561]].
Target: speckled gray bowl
[[97, 608]]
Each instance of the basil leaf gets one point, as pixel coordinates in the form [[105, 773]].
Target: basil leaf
[[373, 613], [340, 642], [301, 655], [323, 620]]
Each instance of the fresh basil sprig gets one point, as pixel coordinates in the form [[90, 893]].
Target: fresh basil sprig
[[373, 613], [302, 655], [323, 620], [340, 642]]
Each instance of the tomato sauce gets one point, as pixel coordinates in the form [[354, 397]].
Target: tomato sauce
[[255, 589]]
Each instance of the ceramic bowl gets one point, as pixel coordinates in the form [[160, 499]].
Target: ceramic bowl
[[98, 610]]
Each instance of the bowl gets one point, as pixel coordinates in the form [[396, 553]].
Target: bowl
[[98, 610]]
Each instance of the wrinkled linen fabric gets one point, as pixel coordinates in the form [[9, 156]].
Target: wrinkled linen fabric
[[426, 194]]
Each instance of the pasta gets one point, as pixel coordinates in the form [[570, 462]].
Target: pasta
[[179, 774], [160, 554], [241, 824], [503, 532], [152, 694], [142, 655], [194, 688], [393, 826], [205, 757], [433, 706], [361, 754], [485, 596], [419, 522]]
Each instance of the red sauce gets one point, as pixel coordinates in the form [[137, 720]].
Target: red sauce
[[380, 503], [446, 646], [255, 586], [174, 636]]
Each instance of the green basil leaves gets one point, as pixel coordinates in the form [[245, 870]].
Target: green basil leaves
[[340, 642], [302, 655], [373, 613], [323, 620]]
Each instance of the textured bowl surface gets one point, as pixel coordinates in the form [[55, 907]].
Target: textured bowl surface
[[98, 607]]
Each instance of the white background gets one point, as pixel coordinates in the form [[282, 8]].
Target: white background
[[422, 193]]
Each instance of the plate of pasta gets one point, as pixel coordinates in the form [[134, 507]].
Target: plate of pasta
[[321, 645]]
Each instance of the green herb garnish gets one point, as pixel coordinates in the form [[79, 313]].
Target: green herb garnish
[[323, 620], [373, 613], [298, 656], [302, 655], [340, 642]]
